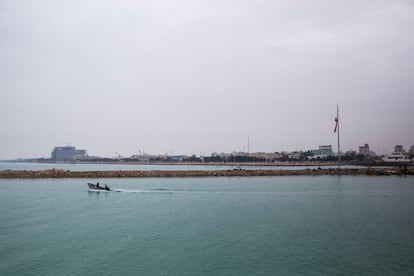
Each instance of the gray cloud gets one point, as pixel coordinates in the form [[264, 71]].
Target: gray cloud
[[198, 76]]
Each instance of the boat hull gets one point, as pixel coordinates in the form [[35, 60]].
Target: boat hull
[[397, 159], [93, 188]]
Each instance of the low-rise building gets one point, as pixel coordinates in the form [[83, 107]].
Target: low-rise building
[[268, 156], [295, 155], [323, 152], [364, 150], [398, 148]]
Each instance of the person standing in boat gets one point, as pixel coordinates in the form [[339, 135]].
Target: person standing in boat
[[97, 185], [106, 187]]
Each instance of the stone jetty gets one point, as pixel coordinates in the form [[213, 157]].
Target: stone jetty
[[58, 173]]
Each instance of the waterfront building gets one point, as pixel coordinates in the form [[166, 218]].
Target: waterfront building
[[67, 153], [268, 156], [323, 152], [221, 155], [295, 155], [398, 148], [364, 150]]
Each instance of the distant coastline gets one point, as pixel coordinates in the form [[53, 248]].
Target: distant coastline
[[224, 164]]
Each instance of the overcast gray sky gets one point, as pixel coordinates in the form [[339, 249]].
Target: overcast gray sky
[[195, 76]]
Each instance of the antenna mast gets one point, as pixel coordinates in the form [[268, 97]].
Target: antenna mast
[[248, 143]]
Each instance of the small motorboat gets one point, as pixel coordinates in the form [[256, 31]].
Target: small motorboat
[[97, 188]]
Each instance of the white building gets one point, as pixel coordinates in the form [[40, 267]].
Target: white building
[[323, 152]]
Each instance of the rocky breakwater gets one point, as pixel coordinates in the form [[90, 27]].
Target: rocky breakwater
[[57, 173]]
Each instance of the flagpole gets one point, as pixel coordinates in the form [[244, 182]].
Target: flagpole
[[337, 116]]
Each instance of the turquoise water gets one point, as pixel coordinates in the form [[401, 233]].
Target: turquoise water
[[147, 167], [209, 226]]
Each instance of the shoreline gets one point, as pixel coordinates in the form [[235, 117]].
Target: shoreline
[[231, 164], [59, 173]]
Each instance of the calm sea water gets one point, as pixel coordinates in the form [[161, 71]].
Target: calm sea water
[[148, 167], [209, 226]]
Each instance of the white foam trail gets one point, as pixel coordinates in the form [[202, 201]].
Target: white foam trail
[[141, 191], [127, 191]]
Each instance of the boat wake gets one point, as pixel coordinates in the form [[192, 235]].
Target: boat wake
[[146, 191]]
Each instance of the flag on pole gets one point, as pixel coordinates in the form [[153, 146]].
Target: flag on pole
[[336, 124]]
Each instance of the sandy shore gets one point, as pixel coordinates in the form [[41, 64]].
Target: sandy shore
[[57, 173]]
